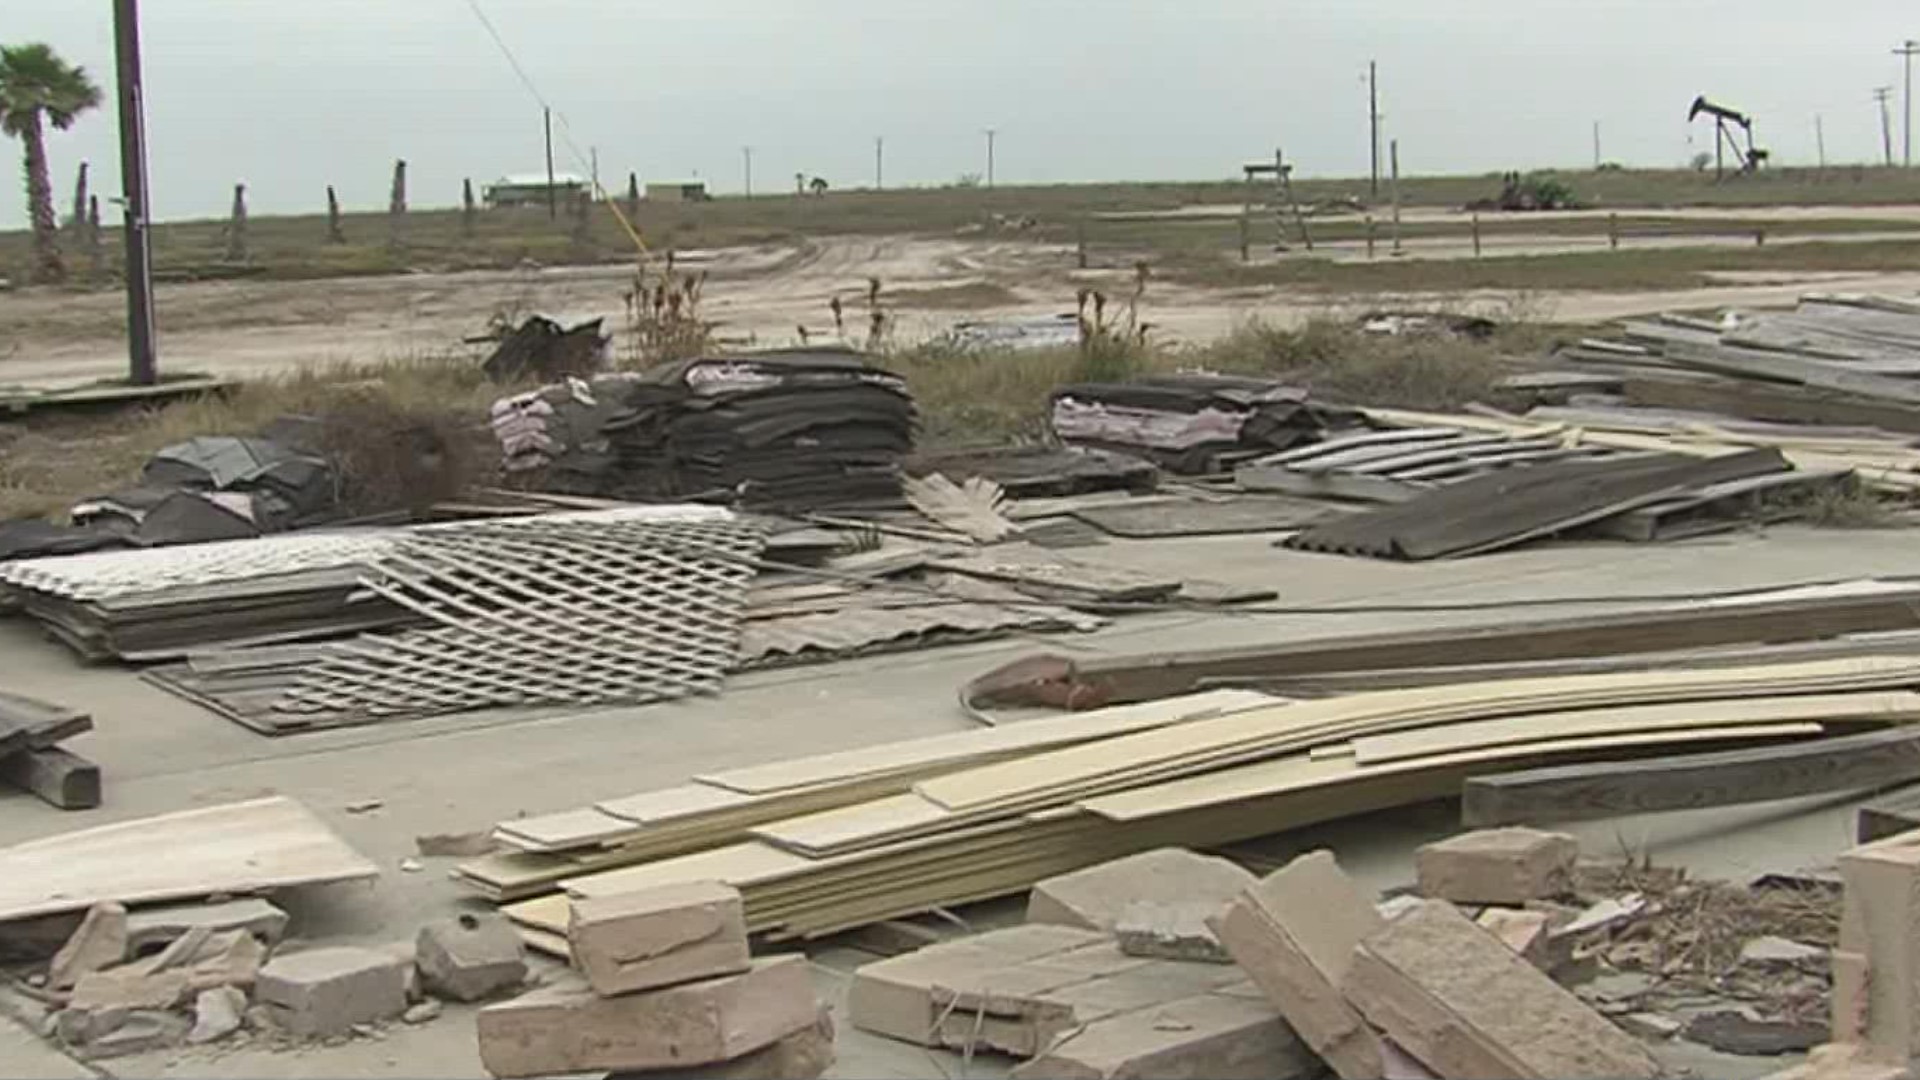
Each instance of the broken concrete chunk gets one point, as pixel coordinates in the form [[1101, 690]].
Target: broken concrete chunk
[[408, 954], [1170, 931], [1395, 906], [152, 928], [1649, 1025], [1525, 932], [469, 957], [1876, 969], [1294, 934], [422, 1013], [1601, 918], [1094, 898], [1213, 1036], [1465, 1006], [122, 988], [324, 992], [228, 958], [567, 1028], [141, 1031], [894, 997], [806, 1054], [217, 1013], [1497, 866], [454, 845], [658, 937], [1735, 1032], [98, 944]]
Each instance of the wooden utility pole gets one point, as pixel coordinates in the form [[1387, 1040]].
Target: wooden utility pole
[[746, 159], [1283, 187], [990, 134], [1906, 52], [879, 150], [553, 204], [335, 234], [1373, 127], [1596, 146], [1820, 143], [142, 354], [1394, 152], [1880, 94]]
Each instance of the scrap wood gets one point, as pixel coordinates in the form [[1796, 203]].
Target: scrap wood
[[972, 507], [1686, 782], [60, 778], [235, 848], [1739, 621], [31, 724]]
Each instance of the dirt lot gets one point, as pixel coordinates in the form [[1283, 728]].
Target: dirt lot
[[761, 294]]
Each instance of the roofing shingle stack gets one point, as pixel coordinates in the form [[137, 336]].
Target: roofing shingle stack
[[1194, 422], [787, 430]]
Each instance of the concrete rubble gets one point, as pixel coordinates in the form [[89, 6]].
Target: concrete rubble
[[1497, 866], [658, 937], [1096, 897], [325, 992], [469, 957]]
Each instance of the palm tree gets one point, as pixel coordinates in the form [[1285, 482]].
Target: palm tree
[[38, 88]]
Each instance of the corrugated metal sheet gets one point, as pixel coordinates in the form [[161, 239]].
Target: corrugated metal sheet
[[1394, 466], [1509, 507]]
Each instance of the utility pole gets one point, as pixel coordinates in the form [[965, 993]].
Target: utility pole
[[1880, 94], [1820, 142], [746, 160], [593, 155], [1906, 53], [143, 366], [553, 205], [990, 134], [1596, 146], [1373, 127], [879, 149]]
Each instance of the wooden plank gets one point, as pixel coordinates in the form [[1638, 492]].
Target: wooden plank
[[1878, 708], [1762, 401], [239, 847], [59, 777], [31, 724], [1608, 789]]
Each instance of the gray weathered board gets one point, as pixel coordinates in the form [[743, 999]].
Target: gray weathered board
[[1202, 517]]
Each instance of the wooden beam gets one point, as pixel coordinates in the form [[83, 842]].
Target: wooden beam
[[59, 777], [1692, 781]]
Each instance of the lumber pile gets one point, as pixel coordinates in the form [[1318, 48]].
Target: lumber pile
[[32, 760], [828, 844], [668, 985]]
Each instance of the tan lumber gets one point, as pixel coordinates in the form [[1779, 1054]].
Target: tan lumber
[[241, 847], [1468, 1008], [1026, 735], [1164, 754], [1885, 708]]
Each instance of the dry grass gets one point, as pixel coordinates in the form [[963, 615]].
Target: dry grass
[[402, 435]]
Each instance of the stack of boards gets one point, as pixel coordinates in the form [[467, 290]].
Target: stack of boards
[[824, 844]]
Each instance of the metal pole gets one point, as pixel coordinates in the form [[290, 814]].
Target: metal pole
[[1906, 52], [746, 157], [553, 205], [990, 134], [143, 361], [1373, 126], [879, 149]]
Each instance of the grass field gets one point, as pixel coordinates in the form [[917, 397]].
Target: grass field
[[435, 239]]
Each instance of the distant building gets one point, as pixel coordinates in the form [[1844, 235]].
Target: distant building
[[531, 189], [677, 191]]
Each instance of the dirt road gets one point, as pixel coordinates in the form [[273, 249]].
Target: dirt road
[[758, 295]]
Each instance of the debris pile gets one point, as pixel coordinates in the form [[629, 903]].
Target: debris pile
[[32, 760], [1194, 423], [800, 429], [560, 431], [540, 348]]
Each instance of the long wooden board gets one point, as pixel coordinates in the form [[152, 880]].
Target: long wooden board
[[1609, 789], [236, 848]]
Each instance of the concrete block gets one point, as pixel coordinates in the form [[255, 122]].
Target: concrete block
[[407, 953], [1294, 934], [120, 988], [1876, 969], [894, 997], [154, 928], [99, 943], [217, 1013], [141, 1031], [1170, 931], [322, 992], [1497, 866], [1209, 1036], [1028, 1008], [567, 1028], [469, 957], [658, 937], [1094, 898], [1466, 1006], [806, 1054]]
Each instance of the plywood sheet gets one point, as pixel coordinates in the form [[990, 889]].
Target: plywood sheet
[[236, 848]]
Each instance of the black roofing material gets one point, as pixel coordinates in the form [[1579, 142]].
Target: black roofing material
[[1509, 507]]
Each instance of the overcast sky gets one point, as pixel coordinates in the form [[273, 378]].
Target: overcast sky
[[291, 95]]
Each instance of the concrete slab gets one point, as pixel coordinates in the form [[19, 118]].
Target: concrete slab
[[159, 753]]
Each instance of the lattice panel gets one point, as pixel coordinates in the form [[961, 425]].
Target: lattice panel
[[545, 612]]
